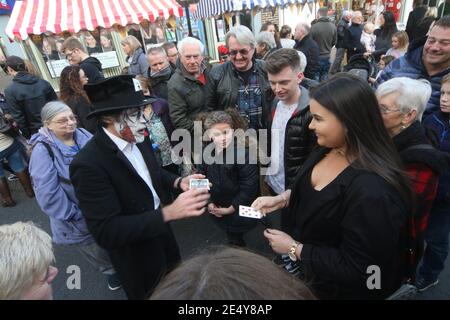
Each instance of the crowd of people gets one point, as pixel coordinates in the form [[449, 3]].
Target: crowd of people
[[358, 169]]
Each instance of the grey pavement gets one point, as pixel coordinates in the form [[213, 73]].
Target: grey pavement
[[192, 235]]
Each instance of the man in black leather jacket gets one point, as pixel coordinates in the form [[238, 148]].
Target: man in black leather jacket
[[240, 82]]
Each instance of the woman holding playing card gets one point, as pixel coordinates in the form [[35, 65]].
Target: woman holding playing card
[[349, 203], [235, 181]]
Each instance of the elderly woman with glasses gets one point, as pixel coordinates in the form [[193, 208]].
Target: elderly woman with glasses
[[54, 147], [402, 102]]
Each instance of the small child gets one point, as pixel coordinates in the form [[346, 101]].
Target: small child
[[233, 184], [368, 38], [438, 229], [384, 61], [400, 42]]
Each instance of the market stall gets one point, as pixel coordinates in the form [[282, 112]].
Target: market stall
[[42, 25]]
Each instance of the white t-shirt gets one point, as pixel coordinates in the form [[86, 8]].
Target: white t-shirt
[[283, 113]]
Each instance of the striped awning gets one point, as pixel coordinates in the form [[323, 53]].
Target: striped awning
[[56, 16], [210, 8]]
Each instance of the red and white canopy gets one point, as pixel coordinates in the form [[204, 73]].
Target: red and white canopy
[[56, 16]]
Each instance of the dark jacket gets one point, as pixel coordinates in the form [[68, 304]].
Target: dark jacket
[[158, 82], [119, 210], [222, 88], [421, 29], [92, 68], [414, 18], [382, 43], [324, 34], [423, 167], [233, 184], [187, 97], [311, 50], [81, 108], [298, 140], [26, 96], [341, 28], [352, 40], [439, 123], [411, 66], [354, 222]]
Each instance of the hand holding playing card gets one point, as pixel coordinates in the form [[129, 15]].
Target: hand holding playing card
[[185, 181], [268, 204], [250, 212]]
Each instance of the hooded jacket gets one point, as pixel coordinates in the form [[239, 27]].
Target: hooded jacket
[[26, 96], [54, 191], [411, 66], [92, 68]]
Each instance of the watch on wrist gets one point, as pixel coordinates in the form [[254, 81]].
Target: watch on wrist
[[292, 250]]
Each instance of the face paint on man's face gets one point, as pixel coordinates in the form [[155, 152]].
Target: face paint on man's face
[[132, 125]]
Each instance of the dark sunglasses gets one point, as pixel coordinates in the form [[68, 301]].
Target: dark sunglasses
[[243, 52]]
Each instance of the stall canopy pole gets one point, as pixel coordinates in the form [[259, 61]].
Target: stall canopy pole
[[188, 17]]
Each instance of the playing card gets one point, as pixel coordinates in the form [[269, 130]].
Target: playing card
[[249, 212], [199, 184]]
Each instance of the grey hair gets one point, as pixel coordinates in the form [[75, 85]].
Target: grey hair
[[356, 14], [305, 27], [267, 38], [191, 41], [412, 94], [216, 117], [158, 49], [347, 13], [242, 34], [51, 109], [25, 254], [303, 61]]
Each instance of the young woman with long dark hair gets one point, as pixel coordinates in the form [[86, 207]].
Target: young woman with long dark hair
[[349, 203], [72, 93], [384, 34]]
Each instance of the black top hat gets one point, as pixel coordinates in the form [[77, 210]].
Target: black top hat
[[115, 94]]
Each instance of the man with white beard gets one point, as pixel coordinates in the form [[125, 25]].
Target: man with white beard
[[124, 194]]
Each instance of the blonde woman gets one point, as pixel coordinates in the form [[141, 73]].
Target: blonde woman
[[135, 56]]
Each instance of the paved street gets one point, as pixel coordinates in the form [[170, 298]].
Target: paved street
[[192, 235]]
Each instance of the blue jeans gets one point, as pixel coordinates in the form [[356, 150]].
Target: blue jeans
[[13, 154], [324, 67], [437, 240]]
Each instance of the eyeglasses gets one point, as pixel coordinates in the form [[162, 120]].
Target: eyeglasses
[[386, 110], [243, 52], [65, 121]]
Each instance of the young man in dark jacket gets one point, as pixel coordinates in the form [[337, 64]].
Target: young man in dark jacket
[[75, 54], [26, 96], [125, 195], [291, 141]]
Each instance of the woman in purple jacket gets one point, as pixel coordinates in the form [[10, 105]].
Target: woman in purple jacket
[[54, 147]]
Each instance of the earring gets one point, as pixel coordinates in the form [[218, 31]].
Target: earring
[[403, 127]]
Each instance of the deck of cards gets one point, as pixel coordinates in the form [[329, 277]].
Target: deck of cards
[[199, 184], [250, 212]]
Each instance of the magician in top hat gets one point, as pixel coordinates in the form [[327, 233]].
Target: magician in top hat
[[124, 194]]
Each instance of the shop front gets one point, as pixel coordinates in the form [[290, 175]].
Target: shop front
[[41, 26]]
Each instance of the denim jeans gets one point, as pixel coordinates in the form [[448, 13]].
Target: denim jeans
[[437, 243], [15, 159], [324, 67]]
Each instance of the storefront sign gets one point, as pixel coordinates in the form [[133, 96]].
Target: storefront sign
[[56, 66], [108, 59]]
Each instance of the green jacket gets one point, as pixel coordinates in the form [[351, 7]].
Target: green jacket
[[186, 98]]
